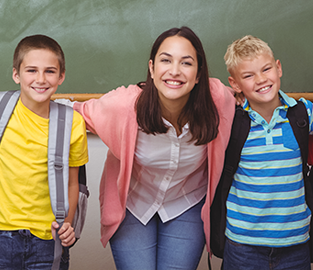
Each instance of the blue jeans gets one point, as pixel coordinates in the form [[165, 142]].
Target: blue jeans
[[176, 244], [238, 257], [22, 250]]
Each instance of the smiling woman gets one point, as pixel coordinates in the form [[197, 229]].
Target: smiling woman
[[163, 165], [175, 73]]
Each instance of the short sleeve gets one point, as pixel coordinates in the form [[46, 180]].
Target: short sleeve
[[78, 149], [308, 105]]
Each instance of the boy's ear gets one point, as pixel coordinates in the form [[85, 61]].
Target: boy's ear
[[61, 78], [15, 76], [234, 85], [279, 68]]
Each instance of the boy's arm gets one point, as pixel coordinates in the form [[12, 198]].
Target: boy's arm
[[66, 232], [73, 193]]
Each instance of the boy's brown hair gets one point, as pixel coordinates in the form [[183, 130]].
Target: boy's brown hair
[[37, 42], [245, 47]]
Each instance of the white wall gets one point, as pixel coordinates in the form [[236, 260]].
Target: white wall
[[88, 253]]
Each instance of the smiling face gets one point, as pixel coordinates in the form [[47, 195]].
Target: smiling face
[[259, 80], [39, 77], [174, 70]]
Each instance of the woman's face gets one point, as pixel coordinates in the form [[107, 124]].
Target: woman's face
[[174, 71]]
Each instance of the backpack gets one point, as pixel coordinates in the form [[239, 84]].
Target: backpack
[[60, 128], [298, 119]]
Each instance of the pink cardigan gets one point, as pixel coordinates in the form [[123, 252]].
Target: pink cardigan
[[113, 119]]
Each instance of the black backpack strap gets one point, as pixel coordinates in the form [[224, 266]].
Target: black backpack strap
[[239, 133], [299, 121]]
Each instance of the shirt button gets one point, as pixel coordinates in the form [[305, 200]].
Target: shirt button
[[268, 131], [263, 122]]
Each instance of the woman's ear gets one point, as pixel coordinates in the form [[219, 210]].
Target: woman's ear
[[151, 69]]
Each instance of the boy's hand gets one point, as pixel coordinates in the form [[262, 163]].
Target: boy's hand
[[66, 233]]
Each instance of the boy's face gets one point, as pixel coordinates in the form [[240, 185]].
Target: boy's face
[[39, 78], [259, 80]]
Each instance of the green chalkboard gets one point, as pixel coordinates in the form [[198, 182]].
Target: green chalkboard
[[107, 42]]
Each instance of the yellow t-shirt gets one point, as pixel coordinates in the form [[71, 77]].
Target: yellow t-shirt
[[24, 189]]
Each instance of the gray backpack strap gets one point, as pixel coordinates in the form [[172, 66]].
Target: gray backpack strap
[[60, 128], [8, 102]]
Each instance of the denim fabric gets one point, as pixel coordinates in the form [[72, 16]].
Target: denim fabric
[[244, 257], [24, 251], [176, 244]]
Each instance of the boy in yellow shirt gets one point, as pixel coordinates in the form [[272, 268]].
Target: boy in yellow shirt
[[26, 216]]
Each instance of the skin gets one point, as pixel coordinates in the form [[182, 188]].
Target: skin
[[174, 72], [66, 232], [39, 78], [258, 78]]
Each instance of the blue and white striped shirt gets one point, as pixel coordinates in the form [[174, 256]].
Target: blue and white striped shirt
[[266, 203]]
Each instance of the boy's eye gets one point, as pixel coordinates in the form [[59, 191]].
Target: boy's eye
[[50, 71], [268, 68], [247, 76], [31, 70]]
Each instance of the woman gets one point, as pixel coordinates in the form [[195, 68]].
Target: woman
[[166, 140]]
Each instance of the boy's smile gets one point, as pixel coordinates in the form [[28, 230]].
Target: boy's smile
[[39, 78], [259, 80]]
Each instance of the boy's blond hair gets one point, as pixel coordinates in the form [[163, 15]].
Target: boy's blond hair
[[37, 42], [245, 47]]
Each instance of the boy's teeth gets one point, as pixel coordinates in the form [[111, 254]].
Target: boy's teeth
[[264, 88], [173, 83], [40, 90]]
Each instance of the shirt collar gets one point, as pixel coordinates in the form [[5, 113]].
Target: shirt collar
[[185, 129], [284, 98]]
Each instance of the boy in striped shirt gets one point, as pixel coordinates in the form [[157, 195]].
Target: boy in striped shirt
[[268, 220]]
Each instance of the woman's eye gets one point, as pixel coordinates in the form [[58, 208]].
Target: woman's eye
[[165, 60], [187, 64]]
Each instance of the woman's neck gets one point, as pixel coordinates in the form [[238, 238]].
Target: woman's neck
[[171, 114]]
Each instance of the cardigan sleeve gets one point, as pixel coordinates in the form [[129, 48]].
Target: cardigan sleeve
[[225, 103], [109, 115]]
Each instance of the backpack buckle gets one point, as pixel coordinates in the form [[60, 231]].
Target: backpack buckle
[[58, 165], [59, 215]]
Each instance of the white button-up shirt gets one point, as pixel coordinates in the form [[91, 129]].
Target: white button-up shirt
[[169, 175]]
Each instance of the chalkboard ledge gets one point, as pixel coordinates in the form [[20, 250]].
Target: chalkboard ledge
[[84, 97]]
